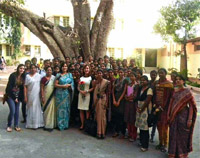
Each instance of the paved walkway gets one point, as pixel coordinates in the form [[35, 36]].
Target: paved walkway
[[72, 143], [4, 75]]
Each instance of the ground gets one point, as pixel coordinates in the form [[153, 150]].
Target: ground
[[72, 142]]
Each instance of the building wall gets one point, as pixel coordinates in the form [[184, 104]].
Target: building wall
[[193, 59], [167, 58]]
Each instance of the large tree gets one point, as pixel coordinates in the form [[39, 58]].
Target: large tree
[[67, 41], [178, 21]]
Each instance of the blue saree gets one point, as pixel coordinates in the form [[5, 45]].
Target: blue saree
[[63, 100]]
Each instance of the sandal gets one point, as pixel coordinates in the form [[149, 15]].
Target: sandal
[[9, 129], [102, 136], [163, 149], [17, 129], [81, 128], [98, 136], [115, 135], [143, 149]]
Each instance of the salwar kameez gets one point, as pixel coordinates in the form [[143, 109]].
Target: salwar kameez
[[163, 94], [130, 111], [141, 118]]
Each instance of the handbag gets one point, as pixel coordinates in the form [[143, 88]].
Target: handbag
[[5, 98], [152, 118], [91, 126]]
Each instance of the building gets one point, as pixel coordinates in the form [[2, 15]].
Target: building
[[129, 38]]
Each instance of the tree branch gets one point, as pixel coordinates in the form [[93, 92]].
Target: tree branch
[[82, 17], [96, 24], [56, 40], [101, 28]]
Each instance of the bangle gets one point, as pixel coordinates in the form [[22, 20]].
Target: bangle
[[190, 120]]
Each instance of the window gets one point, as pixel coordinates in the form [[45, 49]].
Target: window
[[27, 50], [0, 50], [66, 21], [196, 47], [37, 50], [111, 52], [56, 20], [8, 50]]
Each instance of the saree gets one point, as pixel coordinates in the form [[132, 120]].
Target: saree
[[100, 103], [34, 117], [63, 100], [180, 136], [49, 104]]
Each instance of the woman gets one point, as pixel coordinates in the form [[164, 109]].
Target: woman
[[163, 93], [84, 89], [56, 70], [34, 118], [152, 82], [64, 84], [101, 103], [14, 90], [125, 64], [48, 100], [182, 115], [139, 74], [27, 71], [119, 91], [110, 90], [173, 77], [130, 107], [144, 107], [74, 106]]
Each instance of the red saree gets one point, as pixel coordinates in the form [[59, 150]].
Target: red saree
[[179, 112]]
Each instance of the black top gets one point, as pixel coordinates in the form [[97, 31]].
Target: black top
[[14, 89]]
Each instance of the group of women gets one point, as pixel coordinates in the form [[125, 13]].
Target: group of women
[[121, 96]]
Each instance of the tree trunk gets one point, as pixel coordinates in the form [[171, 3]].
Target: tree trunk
[[185, 60], [63, 42]]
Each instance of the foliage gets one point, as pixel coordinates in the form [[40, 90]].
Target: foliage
[[194, 84], [10, 30], [138, 58], [178, 20], [170, 70], [9, 62], [184, 73]]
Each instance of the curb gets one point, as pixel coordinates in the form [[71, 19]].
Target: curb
[[196, 89]]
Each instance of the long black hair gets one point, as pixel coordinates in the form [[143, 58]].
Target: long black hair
[[20, 65], [61, 65]]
